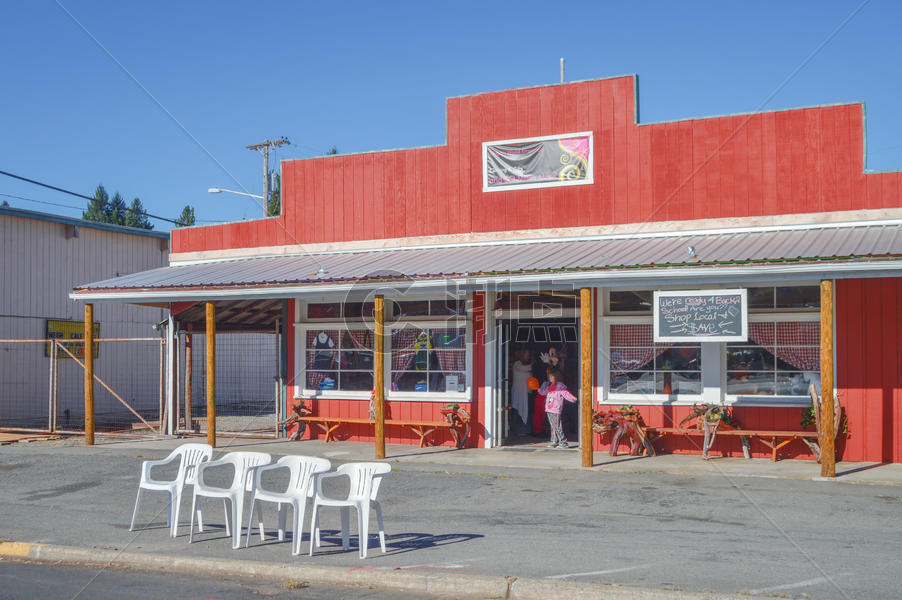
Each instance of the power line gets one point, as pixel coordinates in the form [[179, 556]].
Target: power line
[[78, 207], [77, 195]]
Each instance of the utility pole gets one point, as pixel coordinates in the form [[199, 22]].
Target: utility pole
[[264, 147]]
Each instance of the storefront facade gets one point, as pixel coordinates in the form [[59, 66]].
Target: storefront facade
[[481, 246]]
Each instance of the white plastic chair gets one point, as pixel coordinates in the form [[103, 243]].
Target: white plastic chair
[[302, 469], [242, 481], [191, 456], [365, 479]]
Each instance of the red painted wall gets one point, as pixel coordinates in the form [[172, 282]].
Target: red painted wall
[[869, 367], [794, 161]]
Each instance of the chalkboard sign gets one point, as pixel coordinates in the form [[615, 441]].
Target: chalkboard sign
[[701, 315]]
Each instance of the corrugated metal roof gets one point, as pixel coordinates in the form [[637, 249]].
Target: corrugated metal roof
[[827, 243]]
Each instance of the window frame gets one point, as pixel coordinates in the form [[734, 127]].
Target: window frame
[[302, 324], [620, 398], [455, 322], [770, 316], [714, 356]]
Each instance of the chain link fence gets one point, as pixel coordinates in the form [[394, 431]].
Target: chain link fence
[[247, 384], [42, 385]]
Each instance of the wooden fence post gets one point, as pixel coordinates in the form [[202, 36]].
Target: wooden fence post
[[828, 443], [210, 335], [585, 388], [379, 376], [189, 420], [89, 374]]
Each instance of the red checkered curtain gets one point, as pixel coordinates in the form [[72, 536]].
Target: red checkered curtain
[[798, 342], [402, 350], [451, 358], [633, 347], [361, 339]]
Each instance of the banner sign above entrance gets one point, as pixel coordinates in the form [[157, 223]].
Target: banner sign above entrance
[[702, 315], [537, 162]]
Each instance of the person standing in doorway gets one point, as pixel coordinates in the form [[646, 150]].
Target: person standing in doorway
[[521, 370], [555, 393]]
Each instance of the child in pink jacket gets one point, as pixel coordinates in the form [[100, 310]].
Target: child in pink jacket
[[555, 393]]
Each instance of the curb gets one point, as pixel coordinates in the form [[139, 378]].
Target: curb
[[453, 585]]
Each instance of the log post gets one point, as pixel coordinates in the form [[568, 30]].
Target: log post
[[379, 375], [189, 420], [585, 387], [828, 443], [89, 374], [210, 335]]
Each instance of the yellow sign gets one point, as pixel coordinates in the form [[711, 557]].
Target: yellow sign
[[71, 330]]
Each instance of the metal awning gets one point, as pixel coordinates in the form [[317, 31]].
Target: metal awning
[[805, 252]]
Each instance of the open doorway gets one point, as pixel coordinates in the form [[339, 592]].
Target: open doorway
[[531, 348]]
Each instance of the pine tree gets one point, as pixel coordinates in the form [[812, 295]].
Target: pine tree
[[116, 210], [97, 206], [274, 206], [186, 219], [4, 203], [136, 217]]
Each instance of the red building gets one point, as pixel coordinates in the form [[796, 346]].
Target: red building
[[480, 246]]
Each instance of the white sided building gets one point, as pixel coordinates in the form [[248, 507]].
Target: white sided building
[[43, 256]]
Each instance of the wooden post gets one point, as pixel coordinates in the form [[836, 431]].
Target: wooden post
[[585, 387], [162, 381], [379, 376], [210, 335], [56, 375], [189, 421], [828, 443], [89, 374]]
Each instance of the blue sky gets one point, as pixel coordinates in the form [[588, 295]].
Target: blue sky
[[374, 75]]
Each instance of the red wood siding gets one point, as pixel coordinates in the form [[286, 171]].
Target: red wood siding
[[794, 161], [869, 367]]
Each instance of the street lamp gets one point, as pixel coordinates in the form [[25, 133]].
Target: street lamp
[[218, 190]]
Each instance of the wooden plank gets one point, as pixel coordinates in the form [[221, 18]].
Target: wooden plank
[[210, 337], [586, 368], [379, 375], [89, 374], [189, 374], [828, 450]]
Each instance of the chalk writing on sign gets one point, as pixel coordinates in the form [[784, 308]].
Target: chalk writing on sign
[[702, 315]]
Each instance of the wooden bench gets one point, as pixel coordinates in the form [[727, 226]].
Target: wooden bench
[[460, 428], [770, 438]]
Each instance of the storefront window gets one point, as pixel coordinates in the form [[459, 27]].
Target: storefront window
[[780, 359], [544, 301], [792, 297], [427, 308], [640, 366], [429, 359], [324, 310], [631, 301], [339, 359]]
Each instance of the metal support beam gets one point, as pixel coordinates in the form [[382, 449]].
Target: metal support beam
[[828, 443], [89, 374], [379, 376], [585, 387], [210, 335]]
